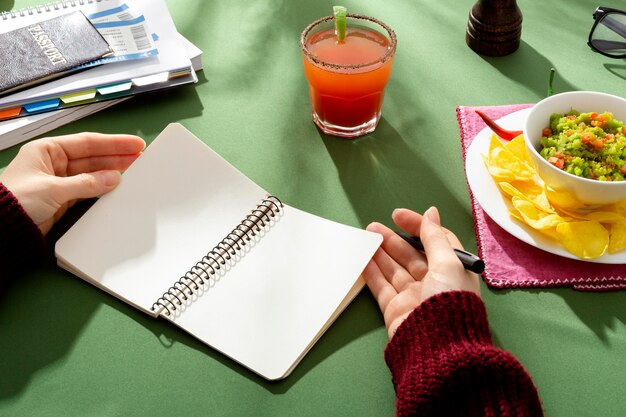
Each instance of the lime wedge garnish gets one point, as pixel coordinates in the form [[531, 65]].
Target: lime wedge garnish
[[340, 13]]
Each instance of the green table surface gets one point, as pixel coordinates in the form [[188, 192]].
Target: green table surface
[[67, 348]]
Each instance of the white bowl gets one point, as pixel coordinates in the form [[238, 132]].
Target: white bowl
[[587, 191]]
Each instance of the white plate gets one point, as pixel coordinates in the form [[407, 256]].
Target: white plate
[[488, 195]]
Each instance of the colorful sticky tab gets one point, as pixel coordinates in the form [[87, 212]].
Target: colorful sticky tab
[[6, 113], [181, 73], [114, 88], [78, 96], [42, 105], [151, 79]]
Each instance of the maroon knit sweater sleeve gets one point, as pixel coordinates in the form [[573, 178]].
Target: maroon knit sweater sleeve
[[21, 242], [443, 363]]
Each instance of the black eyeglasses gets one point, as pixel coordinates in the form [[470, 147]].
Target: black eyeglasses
[[608, 33]]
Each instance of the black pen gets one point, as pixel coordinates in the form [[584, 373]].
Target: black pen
[[470, 261]]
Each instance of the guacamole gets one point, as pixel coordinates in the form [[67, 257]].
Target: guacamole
[[589, 145]]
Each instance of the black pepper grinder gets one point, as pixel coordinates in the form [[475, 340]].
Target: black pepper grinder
[[494, 27]]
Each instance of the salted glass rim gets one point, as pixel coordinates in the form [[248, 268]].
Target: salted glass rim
[[316, 60]]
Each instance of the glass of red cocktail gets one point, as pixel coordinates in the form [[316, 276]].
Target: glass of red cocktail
[[347, 78]]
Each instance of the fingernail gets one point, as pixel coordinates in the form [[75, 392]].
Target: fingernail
[[432, 214], [110, 178]]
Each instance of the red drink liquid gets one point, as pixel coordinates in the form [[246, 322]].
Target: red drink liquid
[[347, 80]]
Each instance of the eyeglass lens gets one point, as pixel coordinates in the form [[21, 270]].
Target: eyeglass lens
[[609, 35]]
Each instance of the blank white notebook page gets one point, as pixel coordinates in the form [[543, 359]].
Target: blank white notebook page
[[267, 308], [173, 205]]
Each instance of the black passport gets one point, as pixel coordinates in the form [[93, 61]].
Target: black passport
[[49, 49]]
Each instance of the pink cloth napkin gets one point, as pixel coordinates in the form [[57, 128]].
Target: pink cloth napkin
[[511, 263]]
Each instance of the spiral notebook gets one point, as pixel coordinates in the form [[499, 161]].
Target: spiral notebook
[[188, 238]]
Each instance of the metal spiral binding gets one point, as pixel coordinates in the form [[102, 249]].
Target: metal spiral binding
[[56, 5], [212, 262]]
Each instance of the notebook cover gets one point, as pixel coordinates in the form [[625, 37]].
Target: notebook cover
[[48, 49]]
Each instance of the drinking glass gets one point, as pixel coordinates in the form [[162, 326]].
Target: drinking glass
[[347, 79]]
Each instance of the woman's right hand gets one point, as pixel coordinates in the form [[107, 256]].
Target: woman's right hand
[[401, 278]]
